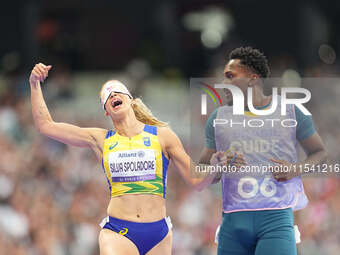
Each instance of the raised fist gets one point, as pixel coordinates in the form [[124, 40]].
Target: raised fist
[[39, 73]]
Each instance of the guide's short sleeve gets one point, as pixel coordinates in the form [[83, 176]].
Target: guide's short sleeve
[[210, 131]]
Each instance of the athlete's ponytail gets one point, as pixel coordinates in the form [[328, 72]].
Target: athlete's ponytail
[[143, 114]]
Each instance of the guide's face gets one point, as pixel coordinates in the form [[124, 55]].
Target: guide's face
[[237, 75]]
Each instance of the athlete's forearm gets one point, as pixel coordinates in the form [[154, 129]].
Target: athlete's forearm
[[40, 112], [313, 160], [206, 181], [202, 175]]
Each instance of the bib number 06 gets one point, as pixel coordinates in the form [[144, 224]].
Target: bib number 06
[[267, 187]]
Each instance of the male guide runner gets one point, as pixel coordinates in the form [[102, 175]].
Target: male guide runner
[[258, 208]]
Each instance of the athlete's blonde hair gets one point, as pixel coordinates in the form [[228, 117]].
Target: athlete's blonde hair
[[144, 114]]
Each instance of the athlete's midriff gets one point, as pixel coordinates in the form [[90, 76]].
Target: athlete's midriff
[[137, 207]]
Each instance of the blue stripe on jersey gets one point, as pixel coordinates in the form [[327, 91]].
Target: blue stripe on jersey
[[106, 176], [150, 129], [110, 133], [165, 168]]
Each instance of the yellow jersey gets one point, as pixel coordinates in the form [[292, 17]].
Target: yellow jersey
[[135, 165]]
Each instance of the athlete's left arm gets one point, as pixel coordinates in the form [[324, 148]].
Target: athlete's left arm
[[187, 168], [315, 150], [316, 156]]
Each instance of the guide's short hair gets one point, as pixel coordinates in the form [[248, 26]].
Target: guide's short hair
[[252, 58]]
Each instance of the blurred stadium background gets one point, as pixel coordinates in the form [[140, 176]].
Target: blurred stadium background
[[52, 196]]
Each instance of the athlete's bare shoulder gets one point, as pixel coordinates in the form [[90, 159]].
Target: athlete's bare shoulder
[[167, 137], [165, 133]]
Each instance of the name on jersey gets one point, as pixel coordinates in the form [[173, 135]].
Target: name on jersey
[[132, 165]]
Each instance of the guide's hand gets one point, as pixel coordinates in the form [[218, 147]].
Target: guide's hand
[[233, 159], [286, 173]]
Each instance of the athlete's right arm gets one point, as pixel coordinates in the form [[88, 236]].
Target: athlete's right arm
[[210, 145], [63, 132], [205, 157]]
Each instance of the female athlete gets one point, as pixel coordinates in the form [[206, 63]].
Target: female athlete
[[135, 156]]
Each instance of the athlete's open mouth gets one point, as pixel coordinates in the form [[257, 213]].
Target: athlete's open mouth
[[116, 103]]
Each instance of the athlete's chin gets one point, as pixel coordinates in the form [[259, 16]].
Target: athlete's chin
[[118, 112], [117, 108]]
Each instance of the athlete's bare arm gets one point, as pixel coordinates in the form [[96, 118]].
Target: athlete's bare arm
[[63, 132], [316, 155], [174, 149], [315, 150], [207, 154], [187, 168], [205, 157]]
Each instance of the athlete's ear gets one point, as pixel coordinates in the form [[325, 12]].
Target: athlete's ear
[[106, 113], [253, 80], [133, 102]]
